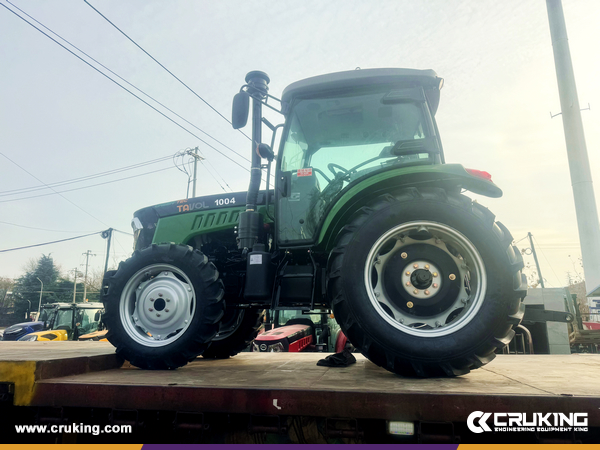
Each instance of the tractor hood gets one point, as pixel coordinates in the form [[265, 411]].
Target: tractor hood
[[48, 335], [289, 338], [203, 213], [19, 330]]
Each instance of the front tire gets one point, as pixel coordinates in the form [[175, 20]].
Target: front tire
[[425, 283], [163, 306], [238, 329]]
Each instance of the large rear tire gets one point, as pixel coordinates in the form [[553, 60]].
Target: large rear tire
[[426, 283], [163, 306]]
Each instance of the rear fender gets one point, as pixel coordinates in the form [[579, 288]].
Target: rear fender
[[452, 177]]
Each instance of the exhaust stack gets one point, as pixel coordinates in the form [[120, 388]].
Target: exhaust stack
[[250, 222]]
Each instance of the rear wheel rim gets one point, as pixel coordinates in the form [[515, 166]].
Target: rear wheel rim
[[157, 305], [411, 305]]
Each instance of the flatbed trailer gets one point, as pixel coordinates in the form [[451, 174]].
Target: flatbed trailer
[[283, 397]]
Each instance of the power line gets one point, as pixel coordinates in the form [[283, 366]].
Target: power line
[[522, 239], [80, 179], [130, 84], [544, 255], [86, 187], [48, 243], [213, 167], [188, 152], [119, 244], [41, 229], [127, 90], [156, 61], [214, 178], [123, 232], [74, 204]]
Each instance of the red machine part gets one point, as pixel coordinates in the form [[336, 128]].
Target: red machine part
[[340, 342], [288, 331], [300, 344]]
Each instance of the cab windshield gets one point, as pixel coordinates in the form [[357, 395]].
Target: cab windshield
[[86, 320], [333, 141], [63, 320]]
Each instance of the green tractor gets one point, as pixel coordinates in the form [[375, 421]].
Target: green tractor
[[365, 218]]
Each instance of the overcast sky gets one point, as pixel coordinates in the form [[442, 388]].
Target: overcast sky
[[61, 120]]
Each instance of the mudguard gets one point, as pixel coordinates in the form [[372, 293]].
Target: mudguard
[[452, 177]]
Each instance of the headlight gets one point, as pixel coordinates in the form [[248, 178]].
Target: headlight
[[255, 347], [276, 347], [137, 226], [29, 337]]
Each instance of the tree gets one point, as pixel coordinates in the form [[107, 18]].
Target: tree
[[94, 284], [26, 291], [6, 285]]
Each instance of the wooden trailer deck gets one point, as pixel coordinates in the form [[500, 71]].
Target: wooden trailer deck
[[88, 374]]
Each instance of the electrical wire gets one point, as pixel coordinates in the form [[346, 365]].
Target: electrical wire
[[223, 179], [74, 204], [47, 243], [119, 244], [123, 232], [215, 178], [183, 169], [522, 239], [188, 170], [41, 229], [130, 84], [80, 179], [127, 90], [157, 62], [85, 187], [544, 255]]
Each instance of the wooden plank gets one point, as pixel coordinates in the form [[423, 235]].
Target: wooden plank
[[251, 382], [23, 364], [48, 350], [507, 375]]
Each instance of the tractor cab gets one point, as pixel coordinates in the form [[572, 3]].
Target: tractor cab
[[67, 321], [337, 135]]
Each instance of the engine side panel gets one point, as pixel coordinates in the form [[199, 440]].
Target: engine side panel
[[182, 228]]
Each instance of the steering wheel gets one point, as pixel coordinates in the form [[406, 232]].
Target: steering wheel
[[332, 166], [320, 172]]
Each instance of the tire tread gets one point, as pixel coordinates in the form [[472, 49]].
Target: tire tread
[[211, 296], [373, 351]]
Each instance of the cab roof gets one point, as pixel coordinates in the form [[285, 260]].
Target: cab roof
[[366, 77], [61, 305]]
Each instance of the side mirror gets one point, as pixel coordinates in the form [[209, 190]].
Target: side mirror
[[265, 152], [97, 316], [240, 109]]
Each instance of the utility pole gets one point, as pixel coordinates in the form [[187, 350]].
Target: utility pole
[[537, 264], [75, 271], [41, 292], [197, 157], [107, 234], [87, 258], [579, 166]]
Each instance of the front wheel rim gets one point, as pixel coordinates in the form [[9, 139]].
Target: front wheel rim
[[157, 305], [229, 325], [415, 301]]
